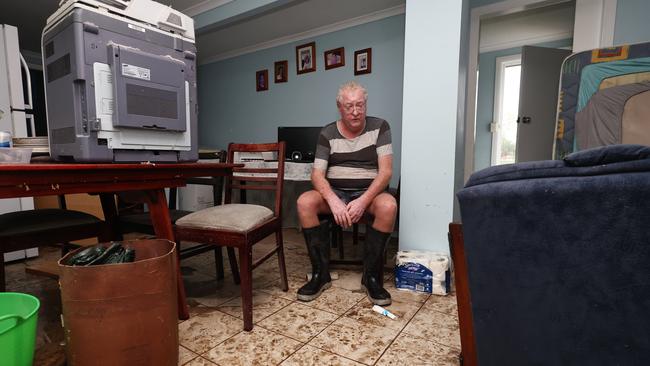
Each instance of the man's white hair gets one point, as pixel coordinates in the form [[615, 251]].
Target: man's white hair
[[350, 86]]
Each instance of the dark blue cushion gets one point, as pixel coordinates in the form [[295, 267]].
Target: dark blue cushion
[[602, 160], [607, 155]]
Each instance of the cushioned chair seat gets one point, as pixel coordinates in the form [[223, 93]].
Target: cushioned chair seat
[[29, 221], [232, 217]]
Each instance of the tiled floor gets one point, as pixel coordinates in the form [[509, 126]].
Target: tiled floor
[[338, 328]]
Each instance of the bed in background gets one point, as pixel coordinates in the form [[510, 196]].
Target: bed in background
[[604, 99]]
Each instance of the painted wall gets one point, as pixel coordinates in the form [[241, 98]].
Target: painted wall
[[632, 21], [463, 66], [485, 100], [429, 118], [231, 110]]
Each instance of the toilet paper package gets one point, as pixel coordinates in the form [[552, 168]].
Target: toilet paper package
[[423, 271]]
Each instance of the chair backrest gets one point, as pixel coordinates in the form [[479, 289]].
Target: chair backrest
[[215, 182], [257, 175]]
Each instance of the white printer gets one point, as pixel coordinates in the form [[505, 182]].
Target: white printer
[[120, 82]]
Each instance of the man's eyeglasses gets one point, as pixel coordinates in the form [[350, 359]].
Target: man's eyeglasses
[[351, 107]]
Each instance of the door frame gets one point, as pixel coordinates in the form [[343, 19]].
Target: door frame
[[501, 64], [596, 21]]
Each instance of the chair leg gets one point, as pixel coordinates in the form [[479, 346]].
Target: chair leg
[[218, 262], [245, 260], [233, 265], [339, 234], [283, 268], [334, 233]]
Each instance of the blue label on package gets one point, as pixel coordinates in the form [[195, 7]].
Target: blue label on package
[[413, 276]]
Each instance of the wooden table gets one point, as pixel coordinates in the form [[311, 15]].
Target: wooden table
[[146, 180]]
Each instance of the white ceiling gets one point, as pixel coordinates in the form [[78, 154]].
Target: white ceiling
[[281, 23], [29, 16], [545, 24], [284, 22]]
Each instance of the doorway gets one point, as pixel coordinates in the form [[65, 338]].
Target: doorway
[[502, 37], [506, 105]]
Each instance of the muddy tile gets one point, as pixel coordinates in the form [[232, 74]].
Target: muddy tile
[[257, 347], [274, 288], [312, 356], [299, 266], [264, 275], [263, 306], [435, 326], [200, 361], [355, 340], [298, 321], [185, 355], [206, 328], [444, 304], [403, 310], [336, 300], [206, 290], [348, 279], [409, 350]]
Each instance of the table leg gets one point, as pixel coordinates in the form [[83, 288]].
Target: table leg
[[162, 225], [110, 214]]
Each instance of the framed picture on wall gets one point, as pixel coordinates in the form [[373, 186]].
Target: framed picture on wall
[[262, 80], [334, 58], [305, 60], [280, 71], [363, 61]]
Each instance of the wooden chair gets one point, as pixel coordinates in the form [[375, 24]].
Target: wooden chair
[[51, 226], [140, 222], [240, 226]]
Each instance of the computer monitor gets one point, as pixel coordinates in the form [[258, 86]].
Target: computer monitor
[[301, 142]]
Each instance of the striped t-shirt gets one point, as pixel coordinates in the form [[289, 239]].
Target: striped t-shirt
[[352, 163]]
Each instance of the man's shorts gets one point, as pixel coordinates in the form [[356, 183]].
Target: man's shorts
[[348, 196]]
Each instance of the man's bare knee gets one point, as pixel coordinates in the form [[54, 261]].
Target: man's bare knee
[[385, 206], [308, 202]]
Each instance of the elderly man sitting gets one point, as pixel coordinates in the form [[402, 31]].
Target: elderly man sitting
[[352, 169]]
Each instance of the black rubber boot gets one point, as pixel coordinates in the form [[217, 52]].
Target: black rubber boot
[[373, 260], [318, 246]]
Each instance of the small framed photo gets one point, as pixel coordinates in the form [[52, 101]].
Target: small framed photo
[[334, 58], [280, 71], [305, 61], [262, 80], [363, 61]]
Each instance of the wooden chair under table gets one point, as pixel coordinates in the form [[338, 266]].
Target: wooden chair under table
[[50, 226], [240, 225]]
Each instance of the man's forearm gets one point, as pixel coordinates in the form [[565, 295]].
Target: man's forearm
[[378, 185], [321, 184]]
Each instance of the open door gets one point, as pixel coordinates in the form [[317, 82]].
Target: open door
[[538, 95]]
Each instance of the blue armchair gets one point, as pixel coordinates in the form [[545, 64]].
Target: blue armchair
[[558, 259]]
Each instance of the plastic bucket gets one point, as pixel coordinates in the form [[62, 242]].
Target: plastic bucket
[[18, 317]]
